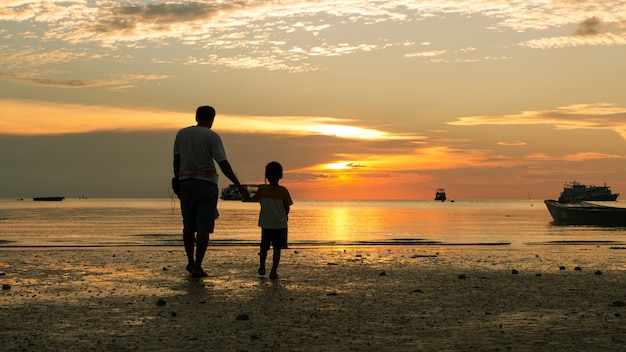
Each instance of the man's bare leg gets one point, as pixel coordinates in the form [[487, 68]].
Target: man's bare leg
[[202, 242], [189, 239]]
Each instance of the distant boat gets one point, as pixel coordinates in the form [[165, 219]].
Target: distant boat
[[440, 195], [585, 213], [232, 192], [575, 192], [48, 199]]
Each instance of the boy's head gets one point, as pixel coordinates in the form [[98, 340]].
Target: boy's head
[[273, 171]]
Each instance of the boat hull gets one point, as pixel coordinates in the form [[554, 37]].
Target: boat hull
[[584, 213]]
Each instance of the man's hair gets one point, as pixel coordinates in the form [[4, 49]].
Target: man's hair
[[274, 171], [205, 113]]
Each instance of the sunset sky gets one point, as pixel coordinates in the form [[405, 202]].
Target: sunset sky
[[357, 99]]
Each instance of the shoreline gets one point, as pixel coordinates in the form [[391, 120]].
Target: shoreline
[[236, 244], [398, 298]]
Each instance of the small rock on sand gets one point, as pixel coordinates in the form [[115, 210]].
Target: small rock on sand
[[242, 316]]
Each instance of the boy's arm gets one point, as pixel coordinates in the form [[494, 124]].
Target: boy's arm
[[287, 201], [255, 198]]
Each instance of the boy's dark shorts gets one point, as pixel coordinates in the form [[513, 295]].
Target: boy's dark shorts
[[277, 238]]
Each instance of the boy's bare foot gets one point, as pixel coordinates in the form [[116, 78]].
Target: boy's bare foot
[[273, 275], [261, 271]]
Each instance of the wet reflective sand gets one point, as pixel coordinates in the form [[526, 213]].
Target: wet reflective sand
[[435, 298]]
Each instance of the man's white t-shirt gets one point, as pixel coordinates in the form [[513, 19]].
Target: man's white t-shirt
[[198, 146]]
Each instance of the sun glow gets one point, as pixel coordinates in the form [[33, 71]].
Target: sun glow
[[342, 165], [348, 132]]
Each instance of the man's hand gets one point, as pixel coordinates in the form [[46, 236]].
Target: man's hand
[[244, 192]]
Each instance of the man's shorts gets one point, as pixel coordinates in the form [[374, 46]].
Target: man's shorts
[[198, 203], [277, 237]]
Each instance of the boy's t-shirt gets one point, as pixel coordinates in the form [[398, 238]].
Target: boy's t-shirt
[[274, 200]]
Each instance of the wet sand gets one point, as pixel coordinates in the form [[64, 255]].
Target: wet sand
[[413, 298]]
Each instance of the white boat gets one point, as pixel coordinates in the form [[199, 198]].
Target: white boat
[[576, 192], [232, 192]]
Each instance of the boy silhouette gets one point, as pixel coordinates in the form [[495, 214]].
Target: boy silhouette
[[275, 204]]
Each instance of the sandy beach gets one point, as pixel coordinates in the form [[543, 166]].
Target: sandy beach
[[418, 298]]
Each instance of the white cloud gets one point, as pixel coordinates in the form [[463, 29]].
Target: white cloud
[[601, 116], [261, 30]]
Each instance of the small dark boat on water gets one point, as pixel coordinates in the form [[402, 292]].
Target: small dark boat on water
[[440, 195], [48, 199], [586, 213]]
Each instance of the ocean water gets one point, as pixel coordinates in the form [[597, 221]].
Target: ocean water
[[157, 222]]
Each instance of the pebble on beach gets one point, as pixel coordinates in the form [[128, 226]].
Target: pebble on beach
[[242, 316]]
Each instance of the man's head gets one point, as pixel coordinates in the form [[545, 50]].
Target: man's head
[[273, 171], [205, 114]]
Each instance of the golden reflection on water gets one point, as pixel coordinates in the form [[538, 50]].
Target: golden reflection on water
[[353, 225]]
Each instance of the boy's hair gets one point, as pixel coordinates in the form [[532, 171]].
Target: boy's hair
[[273, 171]]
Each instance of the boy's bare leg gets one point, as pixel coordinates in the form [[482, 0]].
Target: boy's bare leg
[[262, 258], [275, 262]]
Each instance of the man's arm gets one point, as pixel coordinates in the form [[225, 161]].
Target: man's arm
[[176, 165], [228, 172], [175, 182]]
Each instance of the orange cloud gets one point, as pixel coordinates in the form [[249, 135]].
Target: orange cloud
[[578, 157], [24, 117]]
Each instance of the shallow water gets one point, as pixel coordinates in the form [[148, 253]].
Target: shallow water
[[156, 222]]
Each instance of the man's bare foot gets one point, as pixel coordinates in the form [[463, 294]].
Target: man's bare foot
[[273, 275], [200, 273], [261, 271]]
